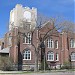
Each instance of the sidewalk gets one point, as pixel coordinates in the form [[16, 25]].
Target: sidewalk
[[29, 72], [12, 72]]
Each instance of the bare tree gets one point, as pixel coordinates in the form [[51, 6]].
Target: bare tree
[[40, 22], [59, 26]]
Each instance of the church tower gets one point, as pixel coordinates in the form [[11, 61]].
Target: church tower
[[23, 17]]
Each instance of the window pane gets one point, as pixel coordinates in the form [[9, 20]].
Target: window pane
[[73, 57], [26, 55], [57, 56], [50, 56], [50, 43], [72, 43], [56, 44]]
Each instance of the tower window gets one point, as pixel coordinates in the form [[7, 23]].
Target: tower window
[[27, 16], [27, 39]]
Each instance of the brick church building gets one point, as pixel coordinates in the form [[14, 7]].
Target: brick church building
[[20, 44]]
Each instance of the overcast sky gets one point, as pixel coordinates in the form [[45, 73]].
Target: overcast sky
[[49, 8]]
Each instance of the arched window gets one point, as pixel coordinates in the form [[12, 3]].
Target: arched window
[[73, 56], [57, 57], [27, 54], [56, 44], [27, 16], [50, 56], [50, 43], [72, 43], [27, 39]]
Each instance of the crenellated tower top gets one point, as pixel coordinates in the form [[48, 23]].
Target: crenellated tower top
[[21, 14]]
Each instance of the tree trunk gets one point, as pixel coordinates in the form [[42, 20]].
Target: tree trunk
[[36, 61]]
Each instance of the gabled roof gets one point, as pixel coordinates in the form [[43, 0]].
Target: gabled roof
[[48, 23]]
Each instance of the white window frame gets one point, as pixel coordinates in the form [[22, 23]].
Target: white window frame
[[56, 44], [72, 43], [50, 56], [73, 56], [27, 39], [50, 43], [57, 56], [24, 54]]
